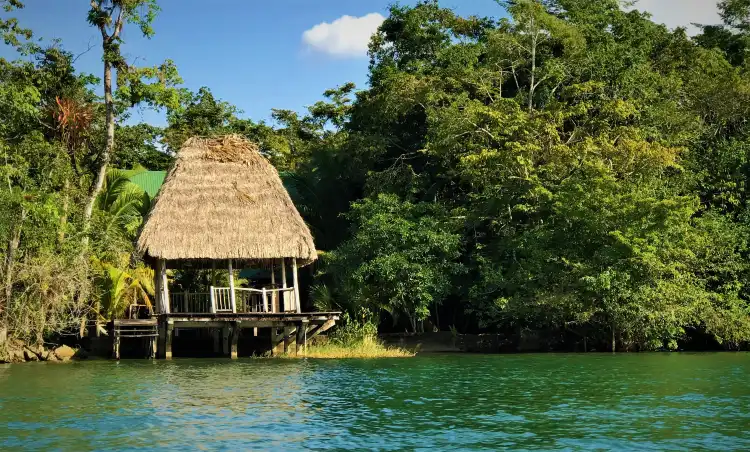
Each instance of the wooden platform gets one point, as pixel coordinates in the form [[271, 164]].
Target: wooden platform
[[289, 331], [135, 328]]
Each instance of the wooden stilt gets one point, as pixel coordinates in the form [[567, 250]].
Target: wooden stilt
[[225, 334], [290, 338], [168, 341], [162, 329], [277, 342], [235, 340], [216, 333], [152, 352], [301, 338], [116, 348]]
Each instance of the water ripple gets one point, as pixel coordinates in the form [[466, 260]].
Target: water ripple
[[439, 402]]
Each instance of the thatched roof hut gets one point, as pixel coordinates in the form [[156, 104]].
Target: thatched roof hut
[[223, 200]]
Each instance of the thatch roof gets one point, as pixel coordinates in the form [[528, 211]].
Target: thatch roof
[[223, 200]]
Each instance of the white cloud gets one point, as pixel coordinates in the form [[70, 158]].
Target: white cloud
[[681, 13], [346, 36]]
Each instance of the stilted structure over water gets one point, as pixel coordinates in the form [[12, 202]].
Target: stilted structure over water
[[223, 206]]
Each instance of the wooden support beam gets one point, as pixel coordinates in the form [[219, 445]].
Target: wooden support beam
[[323, 327], [232, 299], [216, 333], [168, 341], [116, 347], [296, 285], [152, 349], [285, 296], [161, 265], [301, 338], [277, 342], [274, 295], [290, 338], [157, 289], [226, 334], [235, 340]]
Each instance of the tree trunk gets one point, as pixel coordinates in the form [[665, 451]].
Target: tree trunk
[[614, 343], [412, 322], [108, 148], [10, 260], [532, 87]]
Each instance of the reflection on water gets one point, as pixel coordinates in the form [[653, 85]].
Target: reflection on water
[[572, 402]]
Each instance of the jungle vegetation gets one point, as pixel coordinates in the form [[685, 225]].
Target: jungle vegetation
[[568, 167]]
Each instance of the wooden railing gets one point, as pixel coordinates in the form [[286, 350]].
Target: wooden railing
[[183, 302], [265, 300], [219, 300]]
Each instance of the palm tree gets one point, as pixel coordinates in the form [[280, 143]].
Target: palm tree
[[123, 287]]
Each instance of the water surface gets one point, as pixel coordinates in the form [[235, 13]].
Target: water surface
[[438, 402]]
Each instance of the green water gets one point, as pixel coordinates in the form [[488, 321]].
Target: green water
[[441, 402]]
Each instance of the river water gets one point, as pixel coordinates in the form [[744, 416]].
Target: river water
[[432, 402]]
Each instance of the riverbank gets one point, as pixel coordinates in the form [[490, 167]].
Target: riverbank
[[14, 351]]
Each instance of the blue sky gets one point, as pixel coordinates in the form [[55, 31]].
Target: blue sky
[[256, 54]]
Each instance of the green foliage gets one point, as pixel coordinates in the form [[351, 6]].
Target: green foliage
[[352, 331], [572, 167], [401, 258]]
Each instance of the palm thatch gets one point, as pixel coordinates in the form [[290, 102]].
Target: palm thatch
[[223, 200]]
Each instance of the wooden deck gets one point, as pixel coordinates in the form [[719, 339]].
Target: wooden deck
[[289, 331]]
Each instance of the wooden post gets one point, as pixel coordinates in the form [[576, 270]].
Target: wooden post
[[152, 352], [296, 285], [277, 340], [235, 340], [157, 288], [290, 338], [216, 333], [301, 337], [225, 337], [163, 285], [284, 296], [185, 303], [274, 295], [162, 330], [232, 300], [168, 341], [265, 300], [213, 300], [116, 347]]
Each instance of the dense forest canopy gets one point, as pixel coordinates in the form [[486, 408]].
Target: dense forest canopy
[[573, 169]]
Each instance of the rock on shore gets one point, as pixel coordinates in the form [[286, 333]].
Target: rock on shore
[[15, 351]]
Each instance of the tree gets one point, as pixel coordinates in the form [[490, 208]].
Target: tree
[[401, 258], [133, 87]]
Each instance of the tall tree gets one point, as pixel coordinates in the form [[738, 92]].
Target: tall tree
[[152, 85]]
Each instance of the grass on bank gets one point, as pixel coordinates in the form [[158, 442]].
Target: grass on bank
[[351, 339], [370, 347]]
